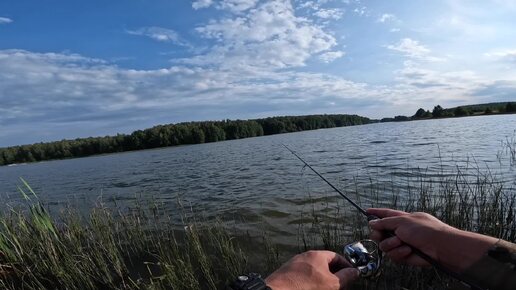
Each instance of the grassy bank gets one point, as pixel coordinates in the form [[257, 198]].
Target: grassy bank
[[142, 249]]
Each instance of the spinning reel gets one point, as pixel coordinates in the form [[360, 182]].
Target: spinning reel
[[366, 256]]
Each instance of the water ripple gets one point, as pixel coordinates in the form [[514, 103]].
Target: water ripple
[[258, 181]]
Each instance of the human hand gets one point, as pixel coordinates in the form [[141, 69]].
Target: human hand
[[445, 244], [313, 270]]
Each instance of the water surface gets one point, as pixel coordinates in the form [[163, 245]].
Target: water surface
[[258, 180]]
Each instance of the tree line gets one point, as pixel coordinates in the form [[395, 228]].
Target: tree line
[[461, 111], [172, 135]]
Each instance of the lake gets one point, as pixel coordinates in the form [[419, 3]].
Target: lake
[[258, 181]]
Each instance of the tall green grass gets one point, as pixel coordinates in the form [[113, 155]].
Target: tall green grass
[[110, 249], [144, 249]]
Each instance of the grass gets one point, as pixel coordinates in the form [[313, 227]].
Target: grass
[[113, 250], [142, 248], [509, 148]]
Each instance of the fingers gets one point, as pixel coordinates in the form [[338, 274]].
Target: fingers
[[376, 236], [335, 261], [415, 260], [389, 221], [347, 276], [399, 254], [385, 212], [386, 224], [406, 255], [390, 244]]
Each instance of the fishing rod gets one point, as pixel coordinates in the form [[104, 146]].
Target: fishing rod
[[358, 255], [359, 208]]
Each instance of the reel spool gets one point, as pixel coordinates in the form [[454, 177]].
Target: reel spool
[[366, 256]]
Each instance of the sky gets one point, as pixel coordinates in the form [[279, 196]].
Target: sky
[[72, 68]]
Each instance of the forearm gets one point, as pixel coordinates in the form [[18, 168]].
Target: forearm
[[496, 268], [458, 250]]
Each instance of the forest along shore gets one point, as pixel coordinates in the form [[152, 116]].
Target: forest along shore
[[173, 135]]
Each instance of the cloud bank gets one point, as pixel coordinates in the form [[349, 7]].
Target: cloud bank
[[259, 58]]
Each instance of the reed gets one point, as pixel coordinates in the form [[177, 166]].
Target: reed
[[108, 249]]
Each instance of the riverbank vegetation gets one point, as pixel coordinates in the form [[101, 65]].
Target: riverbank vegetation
[[140, 247], [172, 135], [439, 112]]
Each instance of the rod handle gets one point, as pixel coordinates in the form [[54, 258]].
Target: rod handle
[[431, 260]]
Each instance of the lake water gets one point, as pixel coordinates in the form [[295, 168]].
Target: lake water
[[258, 180]]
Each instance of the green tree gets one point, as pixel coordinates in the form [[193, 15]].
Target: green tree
[[437, 112], [460, 112], [420, 113], [401, 118]]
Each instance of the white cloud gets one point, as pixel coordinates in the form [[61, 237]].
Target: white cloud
[[316, 9], [334, 13], [249, 67], [237, 5], [159, 34], [69, 93], [387, 17], [416, 75], [508, 56], [268, 36], [309, 4], [5, 20], [330, 56], [395, 30], [466, 28], [414, 50], [361, 11], [410, 47], [201, 4], [61, 88]]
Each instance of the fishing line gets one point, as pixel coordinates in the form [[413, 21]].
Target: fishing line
[[370, 217]]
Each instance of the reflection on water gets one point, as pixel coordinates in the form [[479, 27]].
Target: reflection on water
[[258, 181]]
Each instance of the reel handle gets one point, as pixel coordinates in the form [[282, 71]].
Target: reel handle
[[434, 263]]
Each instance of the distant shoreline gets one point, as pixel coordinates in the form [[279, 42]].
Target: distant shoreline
[[189, 133], [442, 118], [174, 135], [501, 108]]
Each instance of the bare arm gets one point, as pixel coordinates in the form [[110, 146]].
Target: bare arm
[[453, 248]]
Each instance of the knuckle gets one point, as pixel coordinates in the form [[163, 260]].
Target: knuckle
[[421, 214], [310, 254]]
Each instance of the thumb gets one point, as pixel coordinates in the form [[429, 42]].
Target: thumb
[[346, 276]]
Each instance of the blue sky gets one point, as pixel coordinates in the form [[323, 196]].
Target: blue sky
[[89, 68]]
